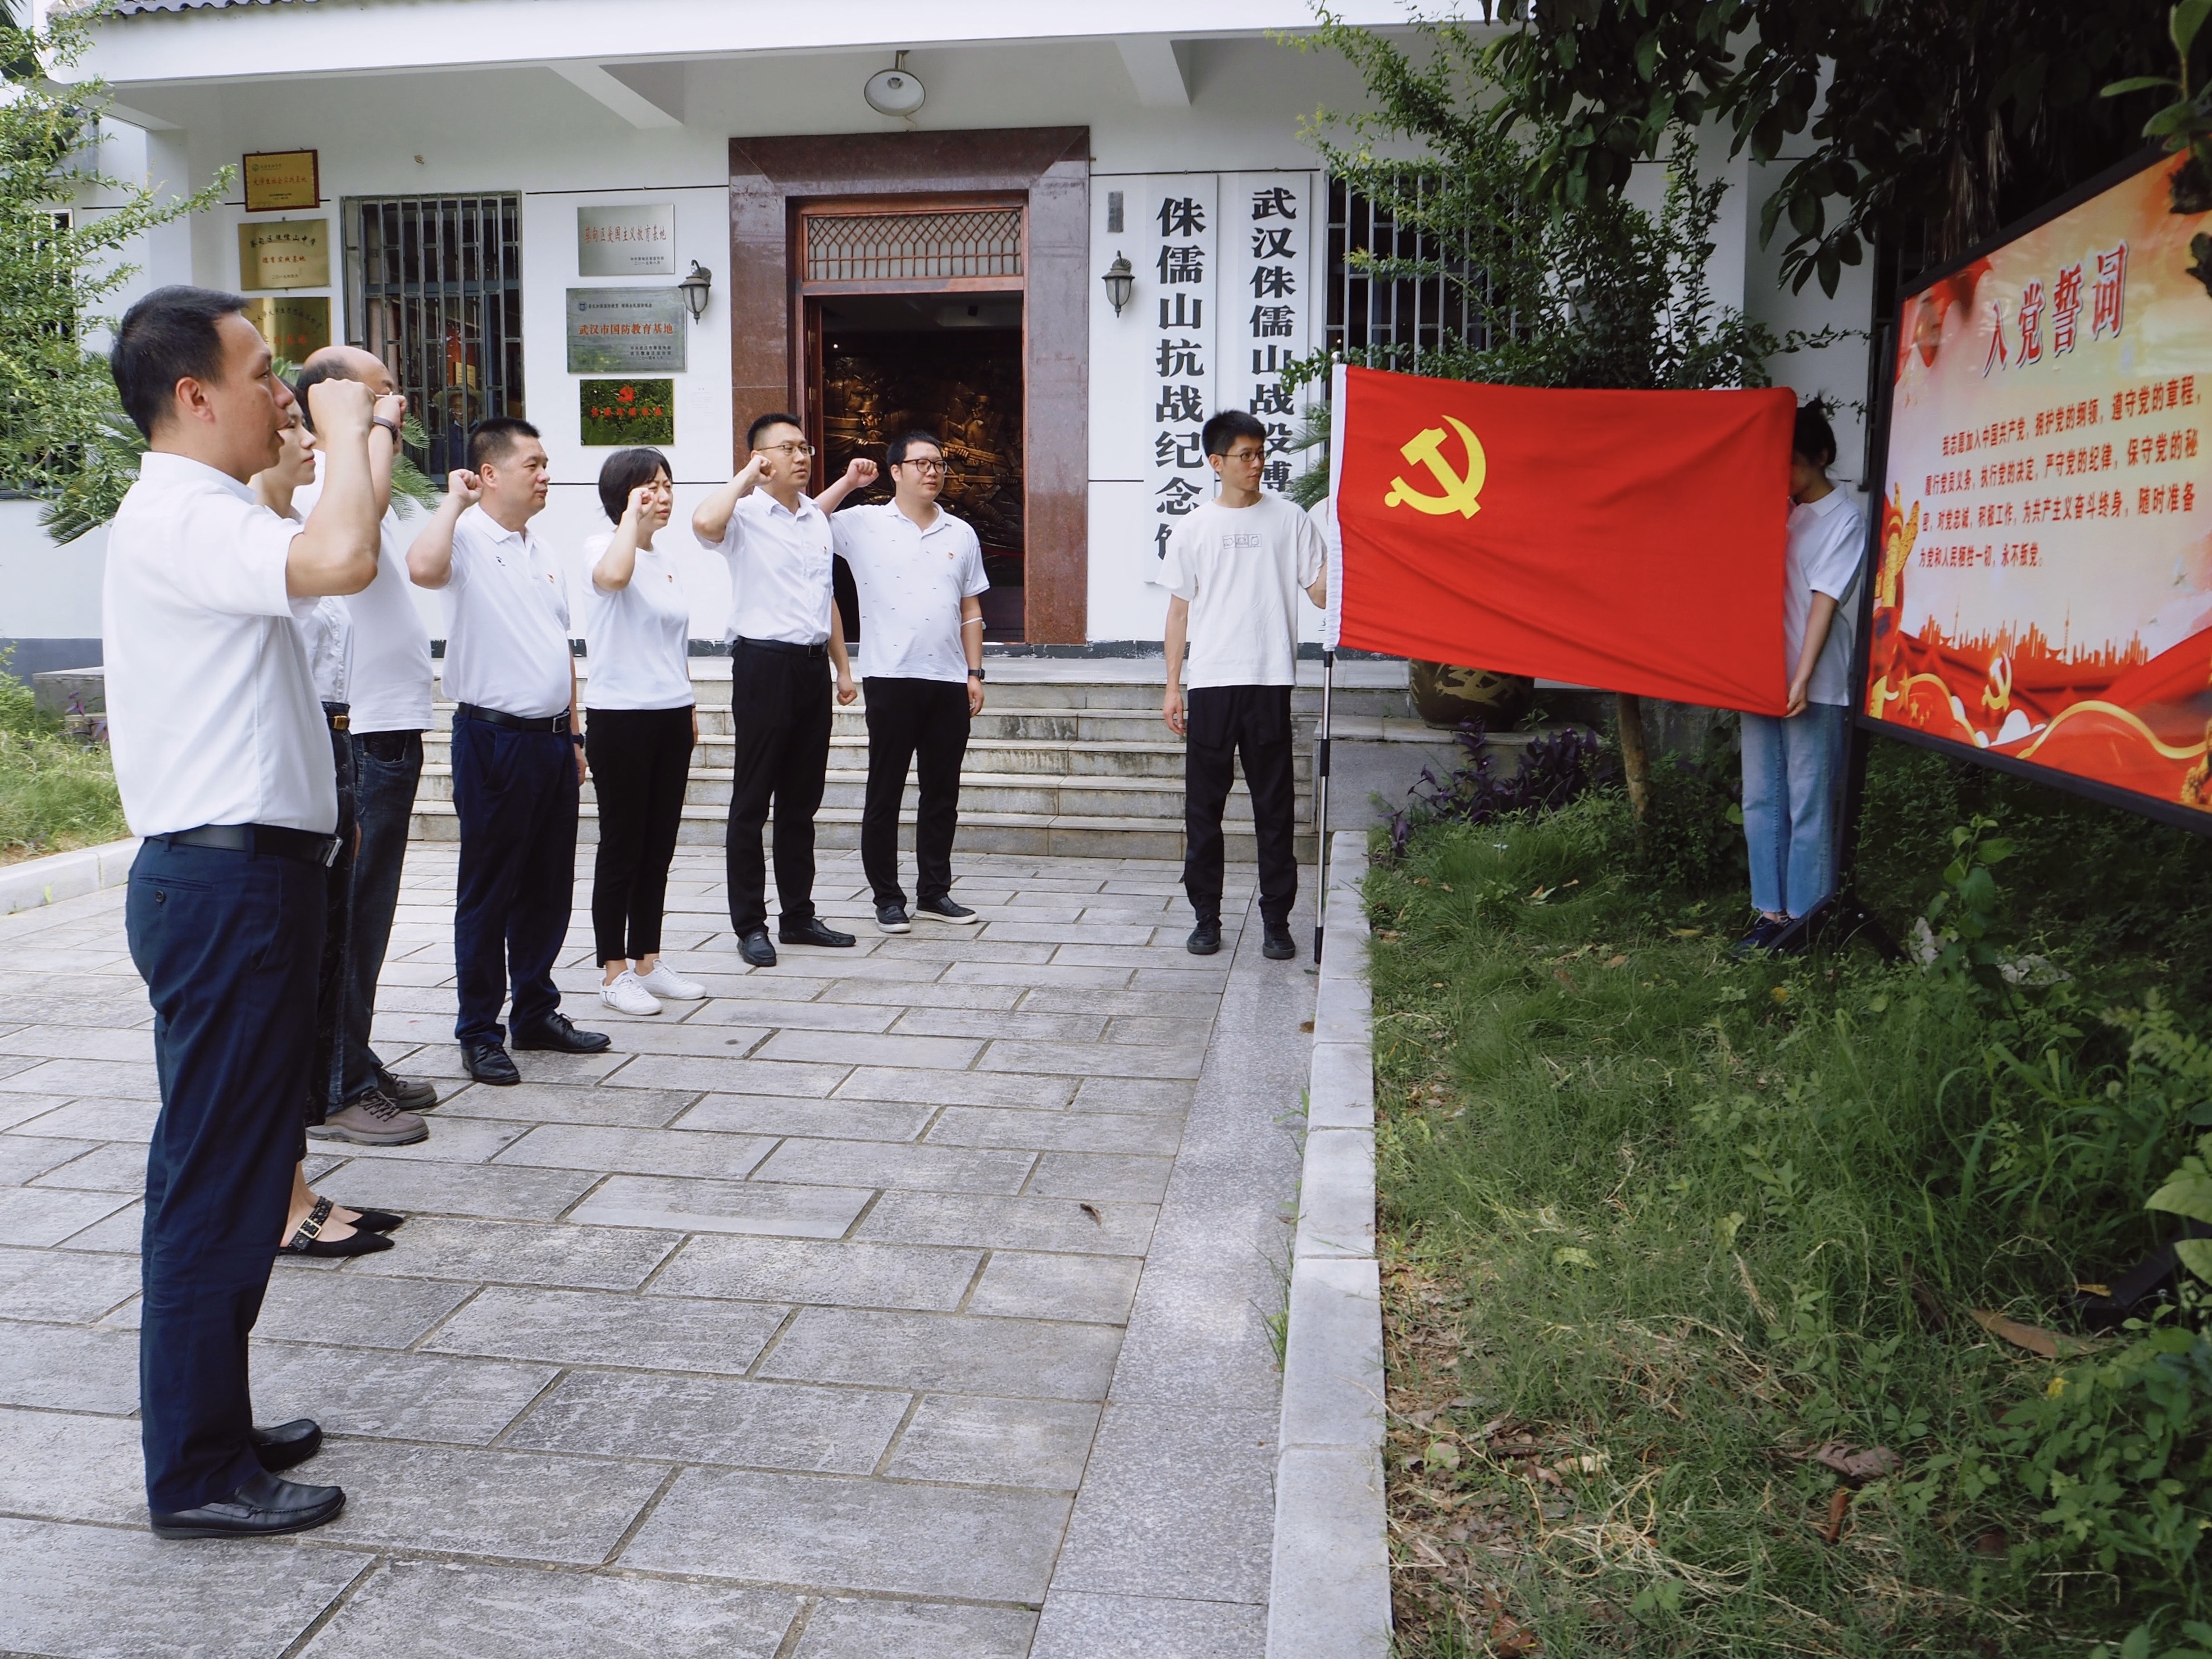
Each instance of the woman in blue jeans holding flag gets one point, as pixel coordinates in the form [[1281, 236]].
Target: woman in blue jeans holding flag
[[1793, 765]]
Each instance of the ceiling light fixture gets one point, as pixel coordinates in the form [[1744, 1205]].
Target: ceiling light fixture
[[894, 91]]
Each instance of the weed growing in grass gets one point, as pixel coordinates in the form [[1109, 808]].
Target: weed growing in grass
[[55, 793]]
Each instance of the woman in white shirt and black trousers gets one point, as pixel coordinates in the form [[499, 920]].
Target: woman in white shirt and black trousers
[[640, 726]]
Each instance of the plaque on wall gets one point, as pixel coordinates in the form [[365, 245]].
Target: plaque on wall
[[626, 330], [615, 413], [283, 253], [294, 325], [626, 239], [278, 180]]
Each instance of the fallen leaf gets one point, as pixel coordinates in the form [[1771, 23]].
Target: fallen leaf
[[1305, 1025], [2094, 1290], [1856, 1466], [2033, 1337], [1564, 977], [1688, 932], [1992, 1542], [1539, 894], [1569, 1255], [1549, 1475], [1839, 1507], [1441, 1455], [1618, 962], [1092, 1210]]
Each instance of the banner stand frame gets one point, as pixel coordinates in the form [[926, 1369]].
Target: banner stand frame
[[1321, 802]]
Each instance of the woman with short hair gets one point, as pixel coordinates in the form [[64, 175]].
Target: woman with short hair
[[640, 724]]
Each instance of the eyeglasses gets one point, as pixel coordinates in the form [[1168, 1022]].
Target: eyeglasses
[[924, 466], [786, 449]]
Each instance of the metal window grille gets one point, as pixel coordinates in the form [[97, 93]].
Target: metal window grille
[[434, 289], [864, 247], [1415, 318]]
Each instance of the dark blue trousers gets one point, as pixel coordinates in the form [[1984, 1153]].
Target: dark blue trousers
[[515, 795], [228, 944]]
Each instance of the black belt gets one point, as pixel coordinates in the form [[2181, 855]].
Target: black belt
[[784, 647], [339, 714], [469, 711], [268, 839]]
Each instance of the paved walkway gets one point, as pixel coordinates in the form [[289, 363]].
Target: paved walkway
[[911, 1301]]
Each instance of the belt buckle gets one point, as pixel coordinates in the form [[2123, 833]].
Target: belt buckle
[[561, 722]]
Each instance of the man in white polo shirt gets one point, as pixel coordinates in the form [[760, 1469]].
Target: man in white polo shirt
[[919, 571], [785, 634], [518, 755], [224, 761]]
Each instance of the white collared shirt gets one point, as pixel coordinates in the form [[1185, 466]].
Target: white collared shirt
[[780, 563], [327, 632], [211, 714], [507, 621], [1828, 541], [1241, 568], [911, 581], [390, 681], [639, 635]]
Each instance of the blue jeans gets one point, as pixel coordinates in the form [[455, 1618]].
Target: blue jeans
[[1792, 783], [387, 768], [515, 795]]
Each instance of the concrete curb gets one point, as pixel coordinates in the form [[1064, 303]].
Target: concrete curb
[[34, 882], [1330, 1596]]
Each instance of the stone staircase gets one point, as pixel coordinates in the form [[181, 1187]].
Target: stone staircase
[[1069, 757]]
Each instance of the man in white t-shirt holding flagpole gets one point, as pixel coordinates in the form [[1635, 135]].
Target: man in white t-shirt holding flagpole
[[1235, 567]]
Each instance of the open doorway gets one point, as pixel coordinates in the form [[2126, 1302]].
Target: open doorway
[[948, 363]]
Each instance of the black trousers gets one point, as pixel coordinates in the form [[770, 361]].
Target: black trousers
[[1250, 723], [909, 718], [515, 794], [640, 766], [228, 944], [326, 1075], [781, 704]]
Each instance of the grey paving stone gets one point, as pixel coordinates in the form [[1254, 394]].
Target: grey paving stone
[[855, 1534], [1176, 1502], [956, 1088], [119, 1166], [656, 1034], [724, 1206], [864, 1049], [97, 1593], [927, 947], [902, 1165], [996, 1442], [577, 1328], [840, 1119], [1028, 1359], [95, 1117], [1154, 1029], [420, 1188], [47, 1215], [1136, 1095], [868, 992], [794, 1016], [1092, 1131], [119, 1233], [992, 1023], [1101, 1175], [703, 1419], [1055, 998], [81, 1043], [639, 1151], [524, 1506], [65, 1466], [523, 1253], [353, 1309], [64, 1286], [808, 1271], [740, 1077], [65, 1368], [452, 1610], [452, 1141], [439, 1059], [1019, 1285], [555, 1103], [21, 1108], [841, 1629], [1037, 974], [26, 1158], [113, 1079], [1091, 1059], [402, 1397], [1076, 1626], [1009, 1224]]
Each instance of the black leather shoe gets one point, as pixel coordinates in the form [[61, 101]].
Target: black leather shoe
[[891, 918], [490, 1063], [263, 1507], [754, 947], [1275, 942], [376, 1221], [557, 1034], [813, 930], [1205, 938], [287, 1443], [944, 909]]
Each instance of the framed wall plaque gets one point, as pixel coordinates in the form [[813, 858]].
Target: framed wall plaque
[[283, 253], [628, 239], [279, 179], [295, 325], [626, 330], [615, 413]]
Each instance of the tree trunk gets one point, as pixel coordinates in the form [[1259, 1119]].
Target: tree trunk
[[1635, 760]]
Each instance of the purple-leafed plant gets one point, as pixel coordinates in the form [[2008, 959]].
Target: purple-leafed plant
[[1555, 768]]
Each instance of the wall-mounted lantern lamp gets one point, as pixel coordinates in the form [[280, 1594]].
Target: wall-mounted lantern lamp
[[694, 289], [1121, 279]]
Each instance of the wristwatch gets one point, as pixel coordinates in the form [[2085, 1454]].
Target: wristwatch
[[975, 673]]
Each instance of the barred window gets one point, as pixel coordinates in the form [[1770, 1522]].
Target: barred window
[[856, 247], [1417, 316]]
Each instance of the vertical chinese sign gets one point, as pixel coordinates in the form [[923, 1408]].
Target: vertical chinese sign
[[1267, 285], [2044, 589], [1176, 299]]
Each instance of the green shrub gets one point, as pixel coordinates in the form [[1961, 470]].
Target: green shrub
[[56, 792]]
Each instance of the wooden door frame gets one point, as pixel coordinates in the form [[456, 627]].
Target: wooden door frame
[[771, 180]]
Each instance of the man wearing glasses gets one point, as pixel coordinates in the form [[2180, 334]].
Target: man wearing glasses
[[920, 573], [785, 634]]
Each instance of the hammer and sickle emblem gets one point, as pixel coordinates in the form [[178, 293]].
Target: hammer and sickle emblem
[[1996, 696], [1459, 490]]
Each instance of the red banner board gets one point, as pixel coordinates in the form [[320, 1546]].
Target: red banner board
[[1628, 540]]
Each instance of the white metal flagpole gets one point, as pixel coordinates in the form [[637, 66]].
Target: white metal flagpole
[[1331, 630]]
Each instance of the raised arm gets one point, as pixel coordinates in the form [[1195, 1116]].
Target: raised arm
[[710, 519], [859, 475], [619, 562], [336, 552], [430, 559], [384, 448]]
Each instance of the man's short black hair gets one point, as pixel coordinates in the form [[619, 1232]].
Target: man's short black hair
[[1812, 437], [491, 439], [895, 451], [1226, 427], [170, 334], [626, 469], [762, 423]]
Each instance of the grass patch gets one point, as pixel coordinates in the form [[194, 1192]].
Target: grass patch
[[56, 792], [1659, 1227]]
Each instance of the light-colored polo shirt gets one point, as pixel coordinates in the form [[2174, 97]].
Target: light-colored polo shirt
[[640, 636], [1241, 569], [507, 621], [390, 683], [211, 714], [1826, 543], [910, 582], [327, 632], [780, 563]]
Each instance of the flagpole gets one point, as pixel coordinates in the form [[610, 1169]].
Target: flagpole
[[1321, 803], [1332, 632]]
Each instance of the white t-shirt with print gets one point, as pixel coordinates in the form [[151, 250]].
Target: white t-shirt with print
[[910, 582], [1241, 569]]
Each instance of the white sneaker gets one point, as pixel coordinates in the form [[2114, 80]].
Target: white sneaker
[[628, 995], [666, 982]]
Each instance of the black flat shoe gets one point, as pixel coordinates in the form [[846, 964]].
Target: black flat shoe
[[813, 930], [560, 1037], [754, 947], [1205, 938], [262, 1508], [376, 1221], [287, 1443], [1277, 946], [307, 1239], [891, 918], [490, 1063]]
